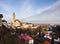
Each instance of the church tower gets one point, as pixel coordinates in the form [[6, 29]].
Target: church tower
[[13, 17]]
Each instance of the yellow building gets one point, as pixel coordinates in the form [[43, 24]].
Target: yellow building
[[17, 23], [13, 18]]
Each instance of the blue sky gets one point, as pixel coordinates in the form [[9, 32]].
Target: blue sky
[[25, 8]]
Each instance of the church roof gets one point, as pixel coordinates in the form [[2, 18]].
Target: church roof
[[17, 20]]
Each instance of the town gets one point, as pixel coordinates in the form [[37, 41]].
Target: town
[[17, 32]]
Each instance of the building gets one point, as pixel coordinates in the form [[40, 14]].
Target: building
[[15, 22], [1, 16], [13, 18]]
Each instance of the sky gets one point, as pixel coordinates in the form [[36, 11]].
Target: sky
[[27, 8]]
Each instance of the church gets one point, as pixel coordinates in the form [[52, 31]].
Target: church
[[15, 22]]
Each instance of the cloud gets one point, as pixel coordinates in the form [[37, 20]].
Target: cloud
[[22, 10], [26, 9], [52, 6], [47, 14], [53, 12], [40, 10], [5, 7], [6, 10]]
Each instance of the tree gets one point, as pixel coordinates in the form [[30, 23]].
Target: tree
[[1, 15]]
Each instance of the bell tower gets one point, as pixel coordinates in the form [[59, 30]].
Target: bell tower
[[13, 17]]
